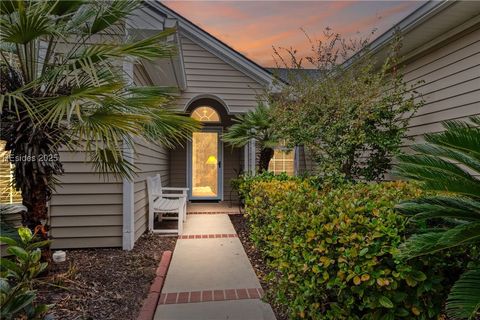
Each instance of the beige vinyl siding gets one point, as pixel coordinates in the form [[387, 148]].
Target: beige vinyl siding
[[451, 88], [150, 159], [86, 208], [207, 74]]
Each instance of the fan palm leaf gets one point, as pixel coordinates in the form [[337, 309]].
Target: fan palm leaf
[[449, 164], [257, 125], [63, 85]]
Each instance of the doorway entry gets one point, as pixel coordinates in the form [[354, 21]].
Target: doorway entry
[[205, 165]]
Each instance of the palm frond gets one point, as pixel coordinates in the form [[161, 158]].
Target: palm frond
[[441, 207], [438, 174], [110, 13], [464, 298], [459, 135], [255, 124], [449, 152], [168, 128], [112, 161], [431, 242]]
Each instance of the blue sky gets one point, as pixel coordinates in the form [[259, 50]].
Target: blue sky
[[253, 27]]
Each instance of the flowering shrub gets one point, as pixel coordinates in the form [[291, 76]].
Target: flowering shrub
[[336, 251]]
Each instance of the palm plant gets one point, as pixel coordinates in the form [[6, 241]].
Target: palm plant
[[449, 164], [63, 86], [255, 124]]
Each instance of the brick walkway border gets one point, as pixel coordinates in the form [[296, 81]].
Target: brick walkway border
[[208, 236], [150, 303], [210, 295]]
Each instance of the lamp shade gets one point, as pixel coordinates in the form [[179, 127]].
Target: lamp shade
[[211, 160]]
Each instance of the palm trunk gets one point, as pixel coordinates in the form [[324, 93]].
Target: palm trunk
[[36, 202], [266, 154]]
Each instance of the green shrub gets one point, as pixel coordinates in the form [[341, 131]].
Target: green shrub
[[17, 275], [244, 182], [335, 251]]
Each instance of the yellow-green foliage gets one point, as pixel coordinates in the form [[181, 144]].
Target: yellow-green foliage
[[336, 251]]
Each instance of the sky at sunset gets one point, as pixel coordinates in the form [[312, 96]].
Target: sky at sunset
[[253, 27]]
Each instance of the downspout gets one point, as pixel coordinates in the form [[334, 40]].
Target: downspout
[[128, 234]]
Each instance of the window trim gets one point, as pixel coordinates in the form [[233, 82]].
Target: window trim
[[294, 160]]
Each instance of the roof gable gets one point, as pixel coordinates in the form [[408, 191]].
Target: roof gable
[[214, 45]]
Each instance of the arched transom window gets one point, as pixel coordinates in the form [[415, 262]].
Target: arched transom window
[[205, 114]]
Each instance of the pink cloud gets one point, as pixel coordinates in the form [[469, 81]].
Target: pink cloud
[[254, 27]]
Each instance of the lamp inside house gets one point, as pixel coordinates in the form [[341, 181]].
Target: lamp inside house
[[211, 160]]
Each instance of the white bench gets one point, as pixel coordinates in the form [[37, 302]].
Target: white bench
[[163, 200]]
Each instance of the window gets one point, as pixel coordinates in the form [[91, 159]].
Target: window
[[283, 161], [8, 194], [205, 114]]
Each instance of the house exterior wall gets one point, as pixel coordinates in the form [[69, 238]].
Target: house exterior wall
[[86, 208], [451, 88], [450, 73], [207, 74], [150, 159]]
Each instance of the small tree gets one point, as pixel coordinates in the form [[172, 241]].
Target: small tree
[[256, 124], [351, 115], [62, 85]]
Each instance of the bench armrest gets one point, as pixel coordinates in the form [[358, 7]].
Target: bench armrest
[[175, 189], [173, 195], [157, 196]]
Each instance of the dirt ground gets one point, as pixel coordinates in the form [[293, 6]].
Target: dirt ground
[[103, 283]]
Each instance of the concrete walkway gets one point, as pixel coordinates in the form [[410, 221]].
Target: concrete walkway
[[210, 276]]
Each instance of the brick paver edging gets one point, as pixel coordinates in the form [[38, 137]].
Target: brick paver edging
[[150, 303], [208, 236], [212, 212], [210, 295]]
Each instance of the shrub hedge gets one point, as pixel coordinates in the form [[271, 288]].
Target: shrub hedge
[[335, 251]]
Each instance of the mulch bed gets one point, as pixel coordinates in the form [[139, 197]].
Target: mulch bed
[[258, 262], [104, 283]]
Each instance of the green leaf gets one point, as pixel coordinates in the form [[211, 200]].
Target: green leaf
[[418, 276], [7, 264], [8, 241], [21, 301], [39, 244], [25, 234], [402, 312], [385, 302], [363, 252], [19, 252], [464, 298]]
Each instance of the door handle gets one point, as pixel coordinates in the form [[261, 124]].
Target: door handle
[[219, 164]]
